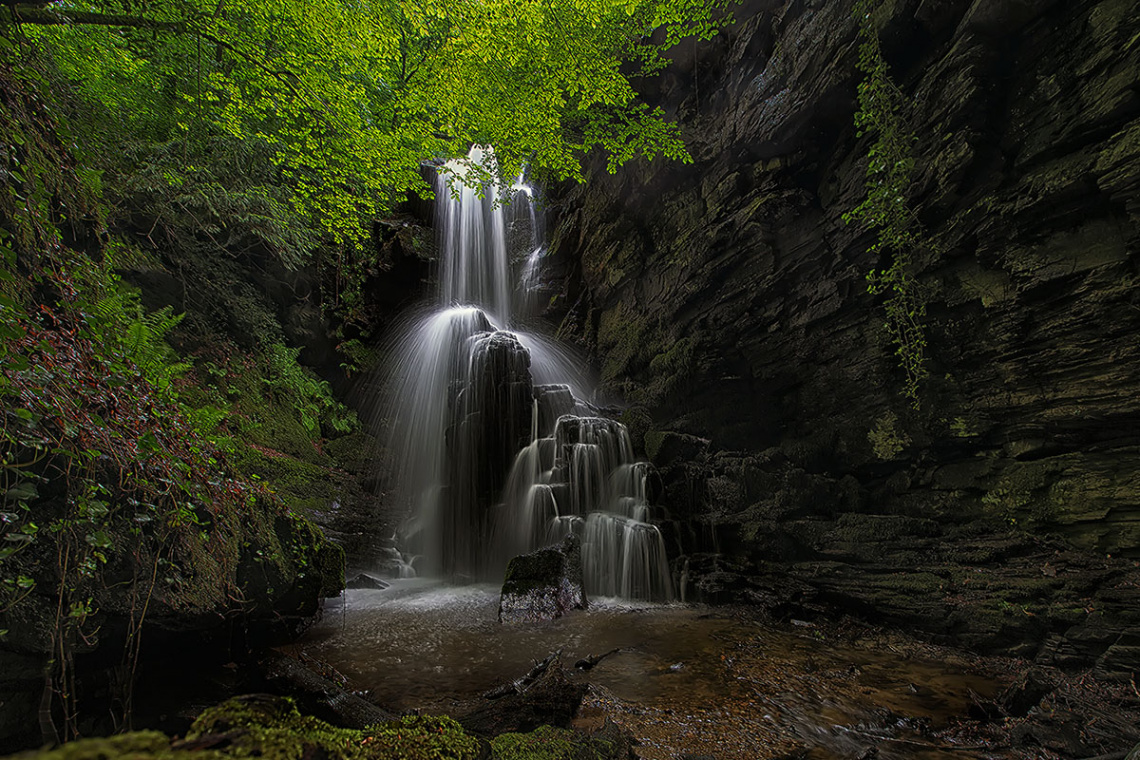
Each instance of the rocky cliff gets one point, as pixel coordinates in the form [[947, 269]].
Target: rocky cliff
[[727, 301]]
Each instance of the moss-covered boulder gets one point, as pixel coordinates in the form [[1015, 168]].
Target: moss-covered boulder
[[263, 726], [549, 743]]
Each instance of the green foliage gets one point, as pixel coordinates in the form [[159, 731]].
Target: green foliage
[[220, 193], [887, 439], [44, 183], [107, 461], [270, 727], [310, 396], [358, 357], [962, 428], [1028, 493], [1006, 501], [885, 208], [276, 407], [124, 332], [343, 100]]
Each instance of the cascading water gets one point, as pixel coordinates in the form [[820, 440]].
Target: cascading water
[[498, 453]]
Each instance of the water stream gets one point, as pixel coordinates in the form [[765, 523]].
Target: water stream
[[691, 679], [499, 449]]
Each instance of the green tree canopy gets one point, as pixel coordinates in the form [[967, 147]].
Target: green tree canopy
[[322, 110]]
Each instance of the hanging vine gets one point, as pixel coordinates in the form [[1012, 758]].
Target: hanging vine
[[898, 232]]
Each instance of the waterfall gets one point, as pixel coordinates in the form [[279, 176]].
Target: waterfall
[[498, 452]]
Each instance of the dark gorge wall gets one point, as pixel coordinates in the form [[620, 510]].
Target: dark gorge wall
[[727, 301]]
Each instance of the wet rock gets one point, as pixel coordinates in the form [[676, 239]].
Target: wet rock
[[1061, 732], [1003, 17], [490, 422], [364, 580], [391, 564], [553, 402], [1026, 692], [1121, 661], [544, 584]]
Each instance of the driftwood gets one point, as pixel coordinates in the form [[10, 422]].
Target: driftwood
[[542, 697], [317, 695], [519, 685], [589, 661]]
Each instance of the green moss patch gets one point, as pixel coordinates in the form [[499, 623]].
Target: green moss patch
[[549, 743], [271, 727]]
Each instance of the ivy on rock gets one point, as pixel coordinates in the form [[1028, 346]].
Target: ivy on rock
[[885, 209]]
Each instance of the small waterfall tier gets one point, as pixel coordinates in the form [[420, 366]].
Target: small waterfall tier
[[498, 455], [578, 475]]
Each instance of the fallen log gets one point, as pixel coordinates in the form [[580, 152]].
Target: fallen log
[[318, 696], [519, 685], [588, 662], [545, 696]]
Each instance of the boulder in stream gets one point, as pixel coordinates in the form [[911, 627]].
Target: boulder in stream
[[366, 581], [544, 584]]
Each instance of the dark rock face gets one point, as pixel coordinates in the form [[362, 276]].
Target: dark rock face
[[728, 300], [491, 422], [544, 584]]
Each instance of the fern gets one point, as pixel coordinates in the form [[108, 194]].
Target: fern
[[309, 396], [126, 331]]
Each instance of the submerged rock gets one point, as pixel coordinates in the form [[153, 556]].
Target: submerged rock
[[544, 584]]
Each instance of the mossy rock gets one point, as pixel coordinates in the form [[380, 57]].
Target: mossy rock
[[292, 569], [665, 446], [263, 726], [356, 453], [138, 744], [544, 584], [260, 725], [301, 485], [549, 743]]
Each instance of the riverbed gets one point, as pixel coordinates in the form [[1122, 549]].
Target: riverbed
[[684, 679]]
